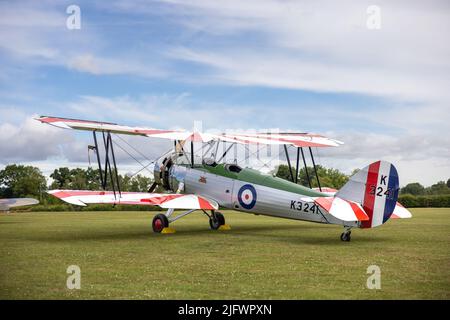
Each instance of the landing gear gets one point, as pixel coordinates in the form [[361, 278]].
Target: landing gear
[[216, 220], [160, 222], [346, 236]]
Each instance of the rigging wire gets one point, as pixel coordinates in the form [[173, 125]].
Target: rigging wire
[[131, 146], [318, 156], [267, 164], [143, 166], [249, 155], [264, 164]]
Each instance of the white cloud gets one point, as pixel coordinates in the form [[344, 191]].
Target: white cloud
[[85, 62], [164, 111], [30, 141], [324, 46], [34, 34], [286, 71], [318, 46]]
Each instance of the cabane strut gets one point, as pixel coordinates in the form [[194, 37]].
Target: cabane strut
[[295, 179]]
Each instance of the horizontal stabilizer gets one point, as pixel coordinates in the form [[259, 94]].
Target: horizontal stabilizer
[[326, 190], [167, 201], [400, 212], [342, 209]]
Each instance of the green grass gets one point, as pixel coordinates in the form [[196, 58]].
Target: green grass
[[260, 258]]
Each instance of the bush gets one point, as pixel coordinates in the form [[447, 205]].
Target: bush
[[51, 208], [432, 201]]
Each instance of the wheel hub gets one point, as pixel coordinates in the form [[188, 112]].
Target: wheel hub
[[158, 224]]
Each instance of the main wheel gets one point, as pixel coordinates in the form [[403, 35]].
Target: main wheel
[[346, 236], [160, 222], [216, 220]]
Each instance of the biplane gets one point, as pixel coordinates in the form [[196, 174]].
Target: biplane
[[206, 183]]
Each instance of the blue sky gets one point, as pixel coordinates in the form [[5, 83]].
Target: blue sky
[[293, 65]]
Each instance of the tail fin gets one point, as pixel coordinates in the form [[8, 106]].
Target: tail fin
[[376, 188]]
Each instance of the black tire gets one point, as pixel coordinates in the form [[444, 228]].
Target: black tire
[[346, 236], [160, 222], [217, 219]]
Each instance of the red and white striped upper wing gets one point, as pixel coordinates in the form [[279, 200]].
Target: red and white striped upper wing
[[296, 139], [168, 201], [342, 209], [113, 128]]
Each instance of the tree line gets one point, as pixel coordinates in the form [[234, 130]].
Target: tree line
[[331, 178]]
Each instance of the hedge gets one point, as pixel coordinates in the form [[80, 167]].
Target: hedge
[[431, 201]]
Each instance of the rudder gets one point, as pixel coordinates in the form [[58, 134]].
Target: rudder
[[376, 188]]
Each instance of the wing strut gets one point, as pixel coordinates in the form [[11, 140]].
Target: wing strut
[[192, 153], [295, 179], [289, 163], [98, 160], [109, 154]]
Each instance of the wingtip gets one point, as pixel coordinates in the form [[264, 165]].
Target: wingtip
[[66, 197], [39, 118]]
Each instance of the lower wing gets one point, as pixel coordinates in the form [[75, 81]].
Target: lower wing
[[167, 201], [5, 204]]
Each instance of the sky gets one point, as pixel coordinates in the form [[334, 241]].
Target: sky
[[377, 80]]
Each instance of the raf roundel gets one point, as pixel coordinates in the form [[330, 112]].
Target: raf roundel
[[247, 196]]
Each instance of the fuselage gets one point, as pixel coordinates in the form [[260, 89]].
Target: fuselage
[[250, 191]]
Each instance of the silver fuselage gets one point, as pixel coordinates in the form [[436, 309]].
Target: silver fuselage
[[268, 201]]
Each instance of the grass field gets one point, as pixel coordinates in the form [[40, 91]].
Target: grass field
[[121, 258]]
